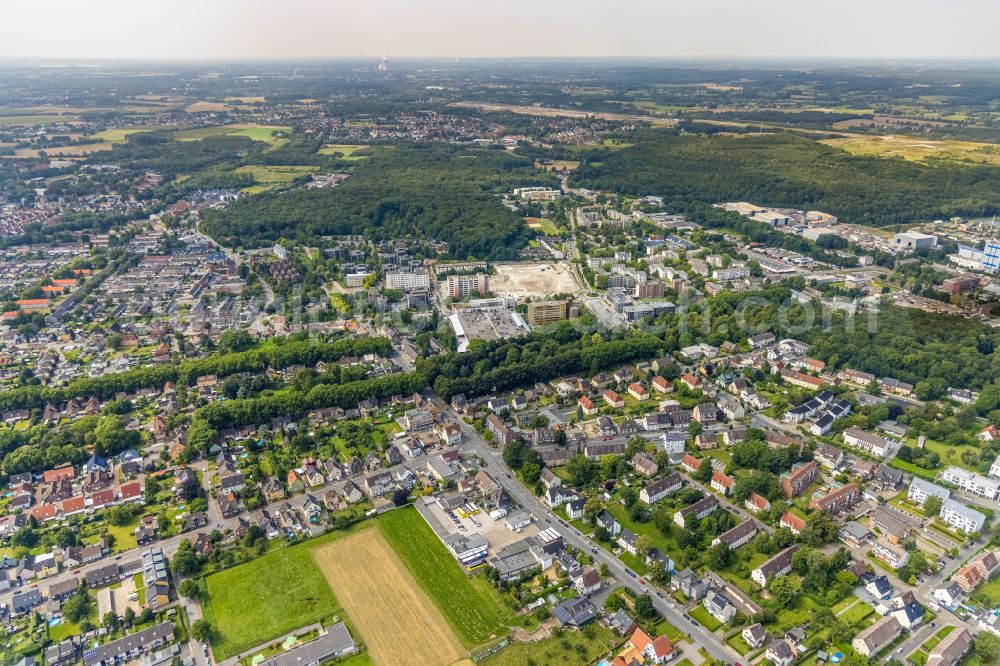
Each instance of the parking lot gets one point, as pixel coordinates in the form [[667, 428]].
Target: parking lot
[[470, 519]]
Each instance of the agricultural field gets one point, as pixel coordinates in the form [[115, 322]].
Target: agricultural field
[[916, 149], [269, 596], [121, 135], [472, 607], [203, 106], [395, 618], [265, 133]]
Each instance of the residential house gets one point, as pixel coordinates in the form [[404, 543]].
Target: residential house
[[866, 441], [722, 483], [797, 480], [837, 500], [757, 503], [920, 490], [869, 642], [737, 536], [719, 606], [696, 511], [657, 490], [779, 565], [754, 635], [961, 517], [951, 649]]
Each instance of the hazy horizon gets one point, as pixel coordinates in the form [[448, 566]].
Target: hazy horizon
[[434, 29]]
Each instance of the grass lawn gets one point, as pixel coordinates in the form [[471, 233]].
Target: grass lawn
[[573, 648], [702, 617], [124, 535], [843, 603], [737, 643], [910, 468], [800, 613], [473, 608], [668, 546], [262, 599], [857, 614], [990, 591]]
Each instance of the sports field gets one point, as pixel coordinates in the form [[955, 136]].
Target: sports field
[[396, 619]]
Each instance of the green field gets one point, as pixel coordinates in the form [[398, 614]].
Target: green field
[[573, 648], [346, 151], [262, 599], [473, 608], [267, 177], [702, 617], [737, 643], [122, 134], [543, 225], [36, 120], [265, 133]]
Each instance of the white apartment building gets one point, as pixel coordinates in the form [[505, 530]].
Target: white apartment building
[[866, 441], [407, 281], [920, 490], [972, 482], [962, 517]]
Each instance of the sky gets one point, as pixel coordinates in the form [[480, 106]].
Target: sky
[[273, 29]]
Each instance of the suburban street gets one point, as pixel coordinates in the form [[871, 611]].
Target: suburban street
[[712, 643]]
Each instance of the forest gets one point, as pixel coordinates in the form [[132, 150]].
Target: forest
[[783, 170], [501, 365], [433, 191], [280, 354], [930, 351]]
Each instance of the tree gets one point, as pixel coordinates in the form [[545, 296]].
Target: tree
[[78, 607], [932, 505], [129, 616], [719, 556], [185, 562], [110, 621], [188, 588], [783, 589], [119, 515], [644, 607], [202, 630], [643, 545], [987, 646], [591, 508]]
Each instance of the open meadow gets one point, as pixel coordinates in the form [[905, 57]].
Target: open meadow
[[917, 149], [269, 596], [395, 618]]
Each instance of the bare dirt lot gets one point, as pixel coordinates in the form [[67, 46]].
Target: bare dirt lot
[[532, 279], [396, 620]]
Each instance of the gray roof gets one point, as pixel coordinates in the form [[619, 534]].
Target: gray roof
[[336, 641], [132, 642], [575, 611]]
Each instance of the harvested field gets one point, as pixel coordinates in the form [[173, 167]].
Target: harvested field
[[397, 621], [532, 279]]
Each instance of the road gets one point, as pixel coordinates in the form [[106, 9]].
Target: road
[[701, 636]]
